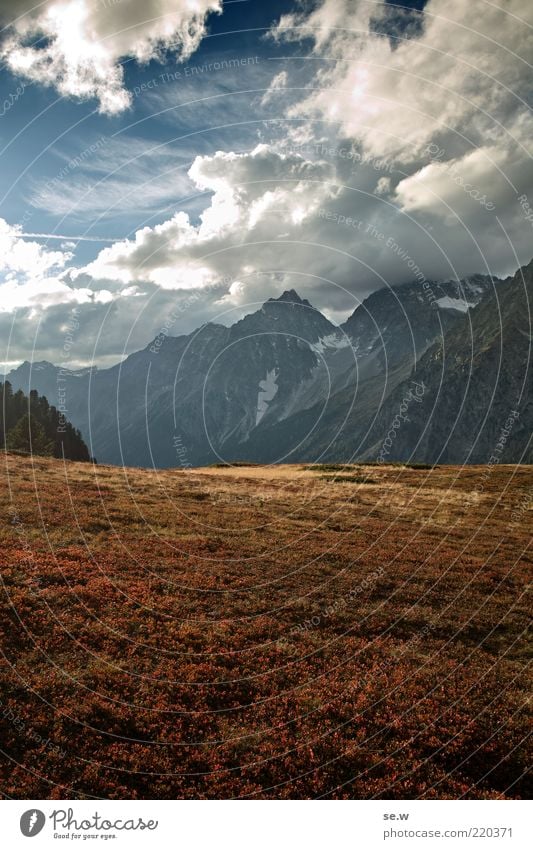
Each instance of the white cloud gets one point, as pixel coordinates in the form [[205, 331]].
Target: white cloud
[[326, 20], [253, 194], [118, 172], [462, 79], [26, 258], [33, 276], [78, 44], [468, 186], [441, 107], [39, 295], [383, 186], [279, 220], [278, 83], [445, 102]]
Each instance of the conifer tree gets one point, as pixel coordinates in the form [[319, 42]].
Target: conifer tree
[[29, 436], [33, 425]]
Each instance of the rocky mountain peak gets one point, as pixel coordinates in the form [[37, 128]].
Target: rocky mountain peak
[[290, 296]]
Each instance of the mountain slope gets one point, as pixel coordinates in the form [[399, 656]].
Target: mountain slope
[[388, 333], [285, 383], [477, 399]]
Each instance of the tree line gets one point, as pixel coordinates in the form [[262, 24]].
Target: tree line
[[32, 425]]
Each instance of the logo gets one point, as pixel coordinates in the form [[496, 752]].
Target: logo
[[32, 822]]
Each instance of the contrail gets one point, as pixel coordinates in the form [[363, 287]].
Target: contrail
[[66, 238]]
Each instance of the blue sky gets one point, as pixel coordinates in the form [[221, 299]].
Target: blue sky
[[43, 133], [234, 150]]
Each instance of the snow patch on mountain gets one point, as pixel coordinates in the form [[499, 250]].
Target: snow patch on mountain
[[459, 304], [268, 389], [331, 341]]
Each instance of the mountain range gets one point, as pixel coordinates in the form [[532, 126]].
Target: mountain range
[[432, 372]]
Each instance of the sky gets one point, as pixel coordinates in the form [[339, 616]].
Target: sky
[[170, 162]]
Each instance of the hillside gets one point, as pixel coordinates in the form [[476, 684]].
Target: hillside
[[264, 632]]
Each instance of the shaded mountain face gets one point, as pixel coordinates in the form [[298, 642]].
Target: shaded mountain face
[[283, 383], [396, 322], [475, 398], [178, 402], [467, 399]]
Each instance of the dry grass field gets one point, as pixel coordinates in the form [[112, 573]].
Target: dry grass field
[[253, 632]]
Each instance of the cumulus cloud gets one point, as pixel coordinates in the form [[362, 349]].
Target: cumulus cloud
[[76, 45], [463, 80], [19, 257], [420, 155], [34, 276], [278, 220], [39, 295], [444, 99], [444, 187], [255, 197]]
